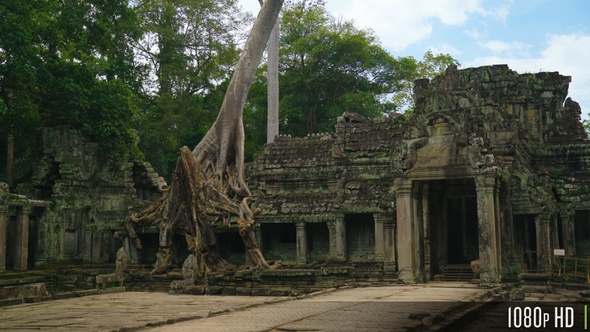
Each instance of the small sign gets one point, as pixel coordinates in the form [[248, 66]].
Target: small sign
[[558, 252]]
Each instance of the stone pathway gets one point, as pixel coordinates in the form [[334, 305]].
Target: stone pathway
[[119, 311], [383, 308], [396, 308]]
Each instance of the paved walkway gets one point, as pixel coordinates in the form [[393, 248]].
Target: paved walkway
[[384, 308]]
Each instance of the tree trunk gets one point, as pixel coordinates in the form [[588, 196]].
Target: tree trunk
[[208, 185], [10, 160], [273, 84]]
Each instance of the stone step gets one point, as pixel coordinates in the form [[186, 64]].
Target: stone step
[[455, 272]]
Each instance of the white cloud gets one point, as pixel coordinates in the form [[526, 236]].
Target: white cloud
[[445, 48], [568, 54], [499, 46], [401, 23], [475, 34]]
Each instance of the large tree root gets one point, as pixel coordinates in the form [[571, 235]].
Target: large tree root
[[195, 204], [208, 185]]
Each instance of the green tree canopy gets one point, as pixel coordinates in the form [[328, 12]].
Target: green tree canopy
[[189, 49], [67, 62], [329, 66]]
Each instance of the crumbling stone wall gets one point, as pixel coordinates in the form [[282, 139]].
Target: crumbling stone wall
[[88, 199], [516, 138]]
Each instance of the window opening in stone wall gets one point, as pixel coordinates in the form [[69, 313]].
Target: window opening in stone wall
[[582, 232], [525, 236], [33, 239], [179, 250], [360, 237], [279, 241], [10, 242], [232, 247], [318, 241], [150, 242]]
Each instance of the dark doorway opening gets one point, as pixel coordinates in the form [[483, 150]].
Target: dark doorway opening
[[582, 232], [462, 225], [151, 244], [279, 241], [360, 237], [318, 241], [232, 247], [452, 234], [525, 235]]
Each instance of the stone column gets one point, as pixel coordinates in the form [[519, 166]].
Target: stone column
[[406, 259], [258, 234], [379, 249], [133, 255], [41, 239], [87, 245], [542, 226], [301, 243], [337, 230], [498, 224], [3, 218], [418, 231], [389, 249], [22, 238], [567, 231], [486, 217], [426, 229]]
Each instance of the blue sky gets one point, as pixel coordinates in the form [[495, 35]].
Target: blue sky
[[528, 35]]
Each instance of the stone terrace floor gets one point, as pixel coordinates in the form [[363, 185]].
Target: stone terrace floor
[[382, 308]]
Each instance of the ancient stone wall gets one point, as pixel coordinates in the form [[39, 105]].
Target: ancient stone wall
[[515, 141], [88, 199]]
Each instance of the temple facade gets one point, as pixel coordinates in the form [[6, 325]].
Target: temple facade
[[492, 167]]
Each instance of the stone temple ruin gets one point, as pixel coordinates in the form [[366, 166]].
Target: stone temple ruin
[[492, 170], [491, 166]]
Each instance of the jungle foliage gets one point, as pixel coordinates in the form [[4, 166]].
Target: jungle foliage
[[155, 72]]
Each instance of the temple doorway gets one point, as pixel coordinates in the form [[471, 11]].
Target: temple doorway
[[453, 233]]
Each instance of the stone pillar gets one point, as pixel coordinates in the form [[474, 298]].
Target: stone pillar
[[542, 226], [379, 249], [301, 243], [406, 259], [567, 231], [389, 249], [418, 231], [337, 230], [426, 229], [22, 238], [3, 218], [97, 243], [133, 255], [498, 224], [258, 234], [87, 255], [486, 217]]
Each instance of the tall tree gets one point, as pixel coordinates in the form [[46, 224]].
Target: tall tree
[[329, 66], [272, 123], [19, 65], [208, 184], [189, 48], [66, 62]]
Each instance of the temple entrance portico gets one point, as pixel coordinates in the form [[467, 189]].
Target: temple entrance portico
[[447, 221]]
